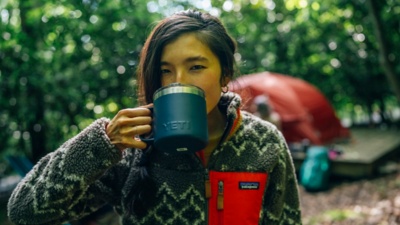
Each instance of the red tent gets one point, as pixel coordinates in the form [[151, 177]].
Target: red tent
[[304, 111]]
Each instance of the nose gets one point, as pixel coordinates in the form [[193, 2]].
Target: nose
[[181, 77]]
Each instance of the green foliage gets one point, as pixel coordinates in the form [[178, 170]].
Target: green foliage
[[65, 63]]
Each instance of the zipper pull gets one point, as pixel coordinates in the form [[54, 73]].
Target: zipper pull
[[220, 197], [207, 185]]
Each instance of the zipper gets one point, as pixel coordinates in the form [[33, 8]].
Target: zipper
[[220, 197], [207, 184], [220, 203]]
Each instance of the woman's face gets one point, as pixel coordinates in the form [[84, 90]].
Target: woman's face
[[188, 61]]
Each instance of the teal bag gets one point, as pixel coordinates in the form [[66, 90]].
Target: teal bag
[[315, 170]]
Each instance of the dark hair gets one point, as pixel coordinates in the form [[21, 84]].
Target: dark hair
[[207, 28], [210, 31]]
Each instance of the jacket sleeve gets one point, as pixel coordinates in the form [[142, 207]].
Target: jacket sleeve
[[64, 185], [282, 197]]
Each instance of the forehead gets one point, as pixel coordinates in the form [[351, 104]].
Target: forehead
[[187, 45]]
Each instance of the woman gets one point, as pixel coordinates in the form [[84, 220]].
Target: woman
[[245, 175]]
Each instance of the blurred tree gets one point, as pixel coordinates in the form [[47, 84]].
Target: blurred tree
[[331, 44], [375, 11], [64, 64]]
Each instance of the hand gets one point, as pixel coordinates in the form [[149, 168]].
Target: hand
[[124, 128]]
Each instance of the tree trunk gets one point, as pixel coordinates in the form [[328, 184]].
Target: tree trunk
[[387, 65]]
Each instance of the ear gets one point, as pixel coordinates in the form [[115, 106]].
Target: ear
[[224, 81]]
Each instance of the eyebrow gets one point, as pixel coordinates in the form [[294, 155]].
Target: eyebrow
[[190, 59]]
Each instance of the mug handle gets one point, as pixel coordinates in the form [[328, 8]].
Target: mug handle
[[148, 139]]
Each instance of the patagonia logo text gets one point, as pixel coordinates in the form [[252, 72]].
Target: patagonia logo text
[[249, 185]]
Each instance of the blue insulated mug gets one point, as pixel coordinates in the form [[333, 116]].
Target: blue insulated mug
[[179, 119]]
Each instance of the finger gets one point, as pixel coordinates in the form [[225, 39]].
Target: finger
[[134, 112], [139, 120], [151, 105], [137, 143], [135, 130]]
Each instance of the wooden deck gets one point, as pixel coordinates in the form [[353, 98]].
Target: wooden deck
[[368, 149]]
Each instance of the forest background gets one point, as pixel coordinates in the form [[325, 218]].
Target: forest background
[[65, 63]]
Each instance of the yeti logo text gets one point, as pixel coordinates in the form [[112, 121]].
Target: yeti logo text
[[177, 125]]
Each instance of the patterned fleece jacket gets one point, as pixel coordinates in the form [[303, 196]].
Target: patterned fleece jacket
[[249, 179]]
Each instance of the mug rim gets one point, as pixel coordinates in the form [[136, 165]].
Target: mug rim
[[178, 88]]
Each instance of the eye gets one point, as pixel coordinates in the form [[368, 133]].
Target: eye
[[165, 71], [197, 67]]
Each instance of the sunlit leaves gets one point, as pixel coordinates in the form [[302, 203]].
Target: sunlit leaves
[[296, 4], [118, 26]]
